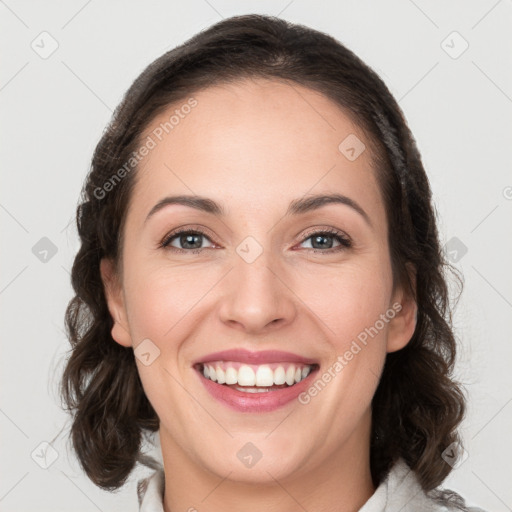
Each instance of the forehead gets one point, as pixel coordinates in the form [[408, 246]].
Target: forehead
[[256, 145]]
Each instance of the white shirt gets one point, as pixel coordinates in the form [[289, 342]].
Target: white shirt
[[400, 491]]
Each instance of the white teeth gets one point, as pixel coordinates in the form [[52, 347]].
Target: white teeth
[[290, 375], [246, 376], [231, 375], [279, 376], [263, 377], [221, 377], [253, 390]]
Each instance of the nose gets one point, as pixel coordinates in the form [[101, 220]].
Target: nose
[[256, 297]]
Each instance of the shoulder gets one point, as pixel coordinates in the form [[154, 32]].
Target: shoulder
[[401, 490], [150, 492]]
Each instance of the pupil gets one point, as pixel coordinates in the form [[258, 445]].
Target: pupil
[[186, 239], [319, 239]]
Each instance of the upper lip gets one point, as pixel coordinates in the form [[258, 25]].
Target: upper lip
[[246, 356]]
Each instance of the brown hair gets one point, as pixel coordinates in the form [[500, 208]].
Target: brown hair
[[417, 406]]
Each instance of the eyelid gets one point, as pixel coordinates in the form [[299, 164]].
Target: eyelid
[[328, 230]]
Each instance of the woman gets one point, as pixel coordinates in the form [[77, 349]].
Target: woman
[[260, 280]]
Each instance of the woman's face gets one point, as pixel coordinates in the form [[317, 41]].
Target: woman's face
[[264, 277]]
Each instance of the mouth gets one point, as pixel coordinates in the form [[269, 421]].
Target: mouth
[[251, 378], [255, 382]]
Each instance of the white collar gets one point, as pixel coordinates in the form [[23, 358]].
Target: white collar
[[399, 491]]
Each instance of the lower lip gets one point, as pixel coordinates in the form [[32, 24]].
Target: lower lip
[[241, 401]]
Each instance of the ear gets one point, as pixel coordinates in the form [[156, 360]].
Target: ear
[[402, 326], [115, 302]]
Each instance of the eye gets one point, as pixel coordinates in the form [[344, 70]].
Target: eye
[[191, 240], [188, 240], [322, 241]]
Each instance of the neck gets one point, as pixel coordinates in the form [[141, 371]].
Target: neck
[[340, 483]]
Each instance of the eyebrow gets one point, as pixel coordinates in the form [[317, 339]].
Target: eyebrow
[[296, 207]]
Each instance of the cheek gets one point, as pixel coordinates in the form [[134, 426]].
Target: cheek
[[359, 311], [158, 300], [347, 300], [160, 304]]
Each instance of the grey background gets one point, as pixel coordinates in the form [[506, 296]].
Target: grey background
[[54, 110]]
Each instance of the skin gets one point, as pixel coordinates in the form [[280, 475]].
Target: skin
[[254, 146]]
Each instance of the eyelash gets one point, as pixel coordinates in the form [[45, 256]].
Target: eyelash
[[344, 241]]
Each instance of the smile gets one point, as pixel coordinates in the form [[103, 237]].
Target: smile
[[255, 381]]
